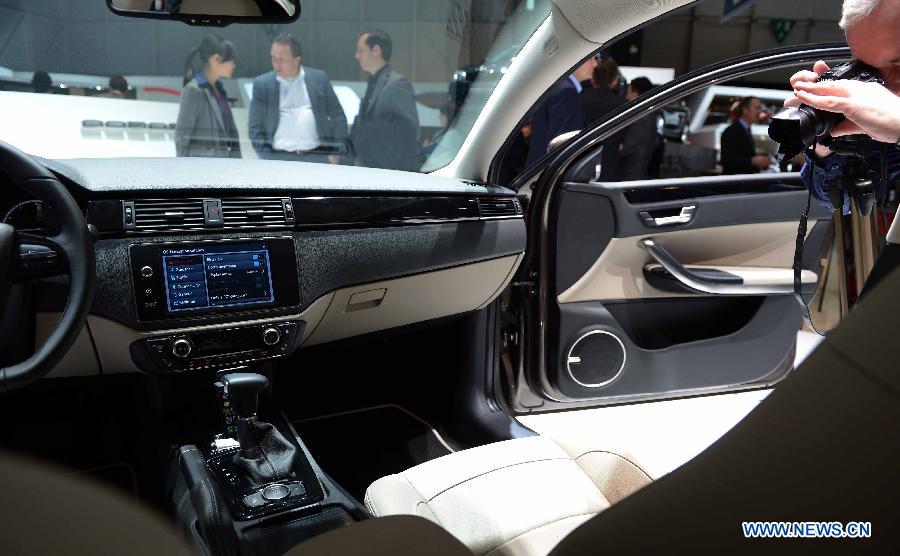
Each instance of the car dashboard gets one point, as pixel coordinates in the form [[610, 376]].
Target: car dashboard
[[210, 264]]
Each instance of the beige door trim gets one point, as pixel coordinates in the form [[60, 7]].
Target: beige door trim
[[618, 274]]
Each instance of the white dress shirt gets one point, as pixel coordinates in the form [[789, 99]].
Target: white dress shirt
[[296, 123]]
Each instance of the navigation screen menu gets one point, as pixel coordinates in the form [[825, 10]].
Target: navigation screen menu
[[208, 277]]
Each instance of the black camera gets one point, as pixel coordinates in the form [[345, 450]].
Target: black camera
[[796, 129]]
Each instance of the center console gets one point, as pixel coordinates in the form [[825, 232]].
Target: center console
[[180, 285], [219, 348], [255, 489], [183, 280]]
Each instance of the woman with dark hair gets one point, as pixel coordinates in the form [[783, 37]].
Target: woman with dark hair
[[205, 125], [41, 82]]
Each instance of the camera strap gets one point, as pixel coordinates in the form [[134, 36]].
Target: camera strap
[[798, 262], [881, 194], [798, 257]]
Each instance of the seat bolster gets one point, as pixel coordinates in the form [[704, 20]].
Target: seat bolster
[[614, 476], [393, 495], [540, 540], [514, 497], [436, 476], [490, 510]]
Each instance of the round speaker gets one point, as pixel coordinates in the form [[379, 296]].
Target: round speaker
[[596, 359]]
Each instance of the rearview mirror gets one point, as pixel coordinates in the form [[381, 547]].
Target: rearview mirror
[[210, 12]]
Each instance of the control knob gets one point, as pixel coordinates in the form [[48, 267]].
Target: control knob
[[182, 347], [271, 336]]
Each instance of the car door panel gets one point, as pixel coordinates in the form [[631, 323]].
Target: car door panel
[[607, 314], [775, 198], [761, 347]]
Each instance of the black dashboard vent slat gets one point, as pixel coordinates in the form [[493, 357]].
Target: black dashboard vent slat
[[165, 214], [494, 208], [251, 212]]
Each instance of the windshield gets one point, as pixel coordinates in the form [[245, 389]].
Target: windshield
[[379, 83]]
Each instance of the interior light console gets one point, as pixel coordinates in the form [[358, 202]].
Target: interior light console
[[181, 280]]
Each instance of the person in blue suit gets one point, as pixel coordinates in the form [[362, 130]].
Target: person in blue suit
[[559, 113]]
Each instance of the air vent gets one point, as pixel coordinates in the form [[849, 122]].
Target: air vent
[[257, 212], [493, 208], [161, 214]]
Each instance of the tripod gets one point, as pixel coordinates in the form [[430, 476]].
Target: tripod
[[857, 183]]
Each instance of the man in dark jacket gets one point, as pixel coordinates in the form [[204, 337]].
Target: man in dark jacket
[[559, 113], [386, 131], [738, 148], [294, 114], [641, 137], [600, 101]]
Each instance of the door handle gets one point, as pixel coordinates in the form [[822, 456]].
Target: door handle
[[684, 217], [710, 283]]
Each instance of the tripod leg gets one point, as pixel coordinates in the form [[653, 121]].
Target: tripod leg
[[826, 269], [841, 255]]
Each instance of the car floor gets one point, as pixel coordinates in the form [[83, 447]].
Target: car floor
[[357, 447], [375, 405]]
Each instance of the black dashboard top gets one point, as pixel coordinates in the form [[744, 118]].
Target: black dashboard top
[[349, 225], [169, 175]]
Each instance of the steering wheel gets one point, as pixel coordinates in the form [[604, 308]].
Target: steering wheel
[[26, 256]]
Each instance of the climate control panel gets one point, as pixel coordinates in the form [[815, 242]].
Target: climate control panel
[[217, 348]]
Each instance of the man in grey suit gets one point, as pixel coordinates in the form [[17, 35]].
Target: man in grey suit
[[294, 114], [386, 131]]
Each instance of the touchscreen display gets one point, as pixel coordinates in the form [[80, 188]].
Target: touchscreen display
[[213, 276]]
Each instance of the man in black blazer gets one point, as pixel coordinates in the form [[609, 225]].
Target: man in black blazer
[[294, 114], [386, 131], [599, 101], [641, 137], [559, 113], [738, 148]]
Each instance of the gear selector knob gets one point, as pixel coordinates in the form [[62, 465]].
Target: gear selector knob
[[243, 391]]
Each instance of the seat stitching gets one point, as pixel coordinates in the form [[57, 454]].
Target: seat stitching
[[369, 504], [412, 486], [639, 468], [451, 487], [539, 527], [436, 518], [421, 499]]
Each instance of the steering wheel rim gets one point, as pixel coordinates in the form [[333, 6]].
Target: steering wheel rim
[[75, 247]]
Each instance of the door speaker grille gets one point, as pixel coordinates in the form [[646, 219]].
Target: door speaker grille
[[596, 359]]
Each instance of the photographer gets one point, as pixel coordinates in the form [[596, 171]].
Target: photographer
[[869, 108]]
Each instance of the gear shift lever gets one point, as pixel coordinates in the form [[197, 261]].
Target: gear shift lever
[[243, 390], [266, 455]]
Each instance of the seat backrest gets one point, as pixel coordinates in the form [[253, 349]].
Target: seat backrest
[[49, 512]]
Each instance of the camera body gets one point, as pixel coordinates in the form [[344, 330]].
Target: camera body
[[822, 122], [796, 129]]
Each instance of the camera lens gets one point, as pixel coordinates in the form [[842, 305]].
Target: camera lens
[[808, 124]]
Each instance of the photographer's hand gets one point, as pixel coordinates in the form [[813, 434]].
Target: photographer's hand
[[805, 76], [870, 108]]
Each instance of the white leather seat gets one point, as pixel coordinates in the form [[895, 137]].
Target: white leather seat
[[512, 498]]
